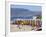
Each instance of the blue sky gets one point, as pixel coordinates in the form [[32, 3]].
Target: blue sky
[[30, 7]]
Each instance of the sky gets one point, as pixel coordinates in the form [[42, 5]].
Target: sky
[[30, 7]]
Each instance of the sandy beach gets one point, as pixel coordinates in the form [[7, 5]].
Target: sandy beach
[[14, 28]]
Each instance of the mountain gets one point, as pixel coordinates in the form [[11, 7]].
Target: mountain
[[21, 12]]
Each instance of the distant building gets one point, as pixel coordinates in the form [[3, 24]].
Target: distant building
[[34, 17]]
